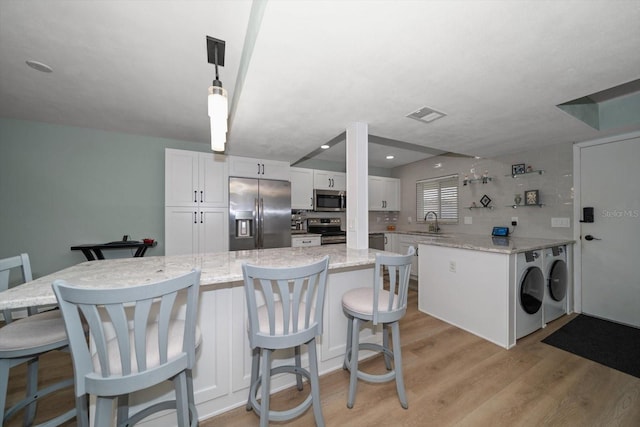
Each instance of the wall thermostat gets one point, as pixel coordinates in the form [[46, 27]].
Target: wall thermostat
[[500, 231]]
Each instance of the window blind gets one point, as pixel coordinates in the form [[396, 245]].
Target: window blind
[[439, 195]]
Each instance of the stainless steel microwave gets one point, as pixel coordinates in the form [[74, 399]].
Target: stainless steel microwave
[[329, 201]]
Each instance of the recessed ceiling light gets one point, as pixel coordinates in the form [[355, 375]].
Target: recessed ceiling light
[[390, 157], [36, 65], [325, 146]]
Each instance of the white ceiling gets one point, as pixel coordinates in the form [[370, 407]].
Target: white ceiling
[[496, 68]]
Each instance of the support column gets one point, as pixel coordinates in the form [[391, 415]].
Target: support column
[[358, 185]]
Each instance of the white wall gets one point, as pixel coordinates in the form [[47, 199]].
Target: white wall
[[555, 187]]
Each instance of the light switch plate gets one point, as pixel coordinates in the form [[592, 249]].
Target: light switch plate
[[468, 220]]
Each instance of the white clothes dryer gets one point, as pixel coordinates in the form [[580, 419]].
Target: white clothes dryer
[[556, 283], [529, 292]]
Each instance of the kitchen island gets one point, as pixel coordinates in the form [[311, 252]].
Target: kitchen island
[[472, 281], [222, 372]]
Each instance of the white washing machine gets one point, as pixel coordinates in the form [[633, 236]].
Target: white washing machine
[[556, 275], [529, 292]]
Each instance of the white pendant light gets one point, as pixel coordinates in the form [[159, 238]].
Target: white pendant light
[[218, 105], [218, 114]]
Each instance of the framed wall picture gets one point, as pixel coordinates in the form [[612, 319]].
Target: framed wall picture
[[517, 169], [531, 197]]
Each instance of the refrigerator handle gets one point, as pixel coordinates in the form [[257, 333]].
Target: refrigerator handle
[[261, 222], [256, 218]]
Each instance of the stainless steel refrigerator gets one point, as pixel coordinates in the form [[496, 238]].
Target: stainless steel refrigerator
[[259, 214]]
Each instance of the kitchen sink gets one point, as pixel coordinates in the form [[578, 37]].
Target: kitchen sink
[[428, 233]]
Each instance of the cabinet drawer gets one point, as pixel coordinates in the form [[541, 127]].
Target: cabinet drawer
[[304, 241]]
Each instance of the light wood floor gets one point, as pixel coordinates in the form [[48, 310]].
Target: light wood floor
[[453, 378]]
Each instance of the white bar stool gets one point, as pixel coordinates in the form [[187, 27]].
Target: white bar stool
[[285, 307], [374, 304]]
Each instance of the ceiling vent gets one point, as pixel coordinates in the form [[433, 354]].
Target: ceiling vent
[[426, 115]]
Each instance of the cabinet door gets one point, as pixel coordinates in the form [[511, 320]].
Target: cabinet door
[[391, 242], [322, 180], [391, 194], [258, 168], [180, 228], [327, 180], [180, 177], [339, 181], [213, 180], [376, 202], [302, 242], [213, 230], [273, 169], [301, 188]]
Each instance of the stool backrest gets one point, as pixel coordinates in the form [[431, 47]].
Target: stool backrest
[[398, 268], [132, 330], [6, 265], [285, 305]]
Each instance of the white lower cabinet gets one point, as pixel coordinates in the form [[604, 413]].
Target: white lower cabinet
[[191, 230], [391, 242], [305, 241], [406, 240]]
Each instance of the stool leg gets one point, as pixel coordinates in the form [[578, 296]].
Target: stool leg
[[4, 383], [299, 366], [255, 367], [182, 401], [353, 380], [315, 383], [346, 362], [266, 387], [82, 411], [104, 409], [397, 361], [122, 410], [385, 344], [32, 389]]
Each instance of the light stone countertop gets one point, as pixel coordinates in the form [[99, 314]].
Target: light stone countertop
[[217, 269], [504, 245]]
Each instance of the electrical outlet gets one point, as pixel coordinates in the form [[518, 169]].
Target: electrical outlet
[[560, 222], [514, 219], [468, 220], [452, 266]]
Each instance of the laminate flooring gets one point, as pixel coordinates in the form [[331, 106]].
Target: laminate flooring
[[453, 378]]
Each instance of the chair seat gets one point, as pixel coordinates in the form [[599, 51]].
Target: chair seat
[[176, 329], [31, 334], [360, 301], [263, 319]]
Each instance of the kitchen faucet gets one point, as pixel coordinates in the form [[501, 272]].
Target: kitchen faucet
[[435, 226]]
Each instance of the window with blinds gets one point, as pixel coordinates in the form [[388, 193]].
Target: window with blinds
[[439, 195]]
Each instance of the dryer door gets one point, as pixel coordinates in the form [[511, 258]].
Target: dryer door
[[532, 290], [558, 280]]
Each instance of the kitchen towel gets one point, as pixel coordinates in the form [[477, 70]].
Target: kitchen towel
[[608, 343]]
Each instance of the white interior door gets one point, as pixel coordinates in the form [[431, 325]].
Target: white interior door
[[610, 183]]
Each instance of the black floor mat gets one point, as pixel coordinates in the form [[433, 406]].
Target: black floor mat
[[611, 344]]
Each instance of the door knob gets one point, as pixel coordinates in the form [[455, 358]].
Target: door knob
[[589, 237]]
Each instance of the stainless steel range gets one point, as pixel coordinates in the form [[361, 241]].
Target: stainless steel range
[[329, 228]]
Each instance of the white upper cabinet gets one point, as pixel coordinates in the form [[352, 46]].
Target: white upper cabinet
[[384, 194], [327, 180], [258, 168], [301, 188], [194, 178]]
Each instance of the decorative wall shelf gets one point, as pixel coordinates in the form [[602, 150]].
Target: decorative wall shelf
[[479, 207], [480, 180], [525, 206], [516, 175]]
